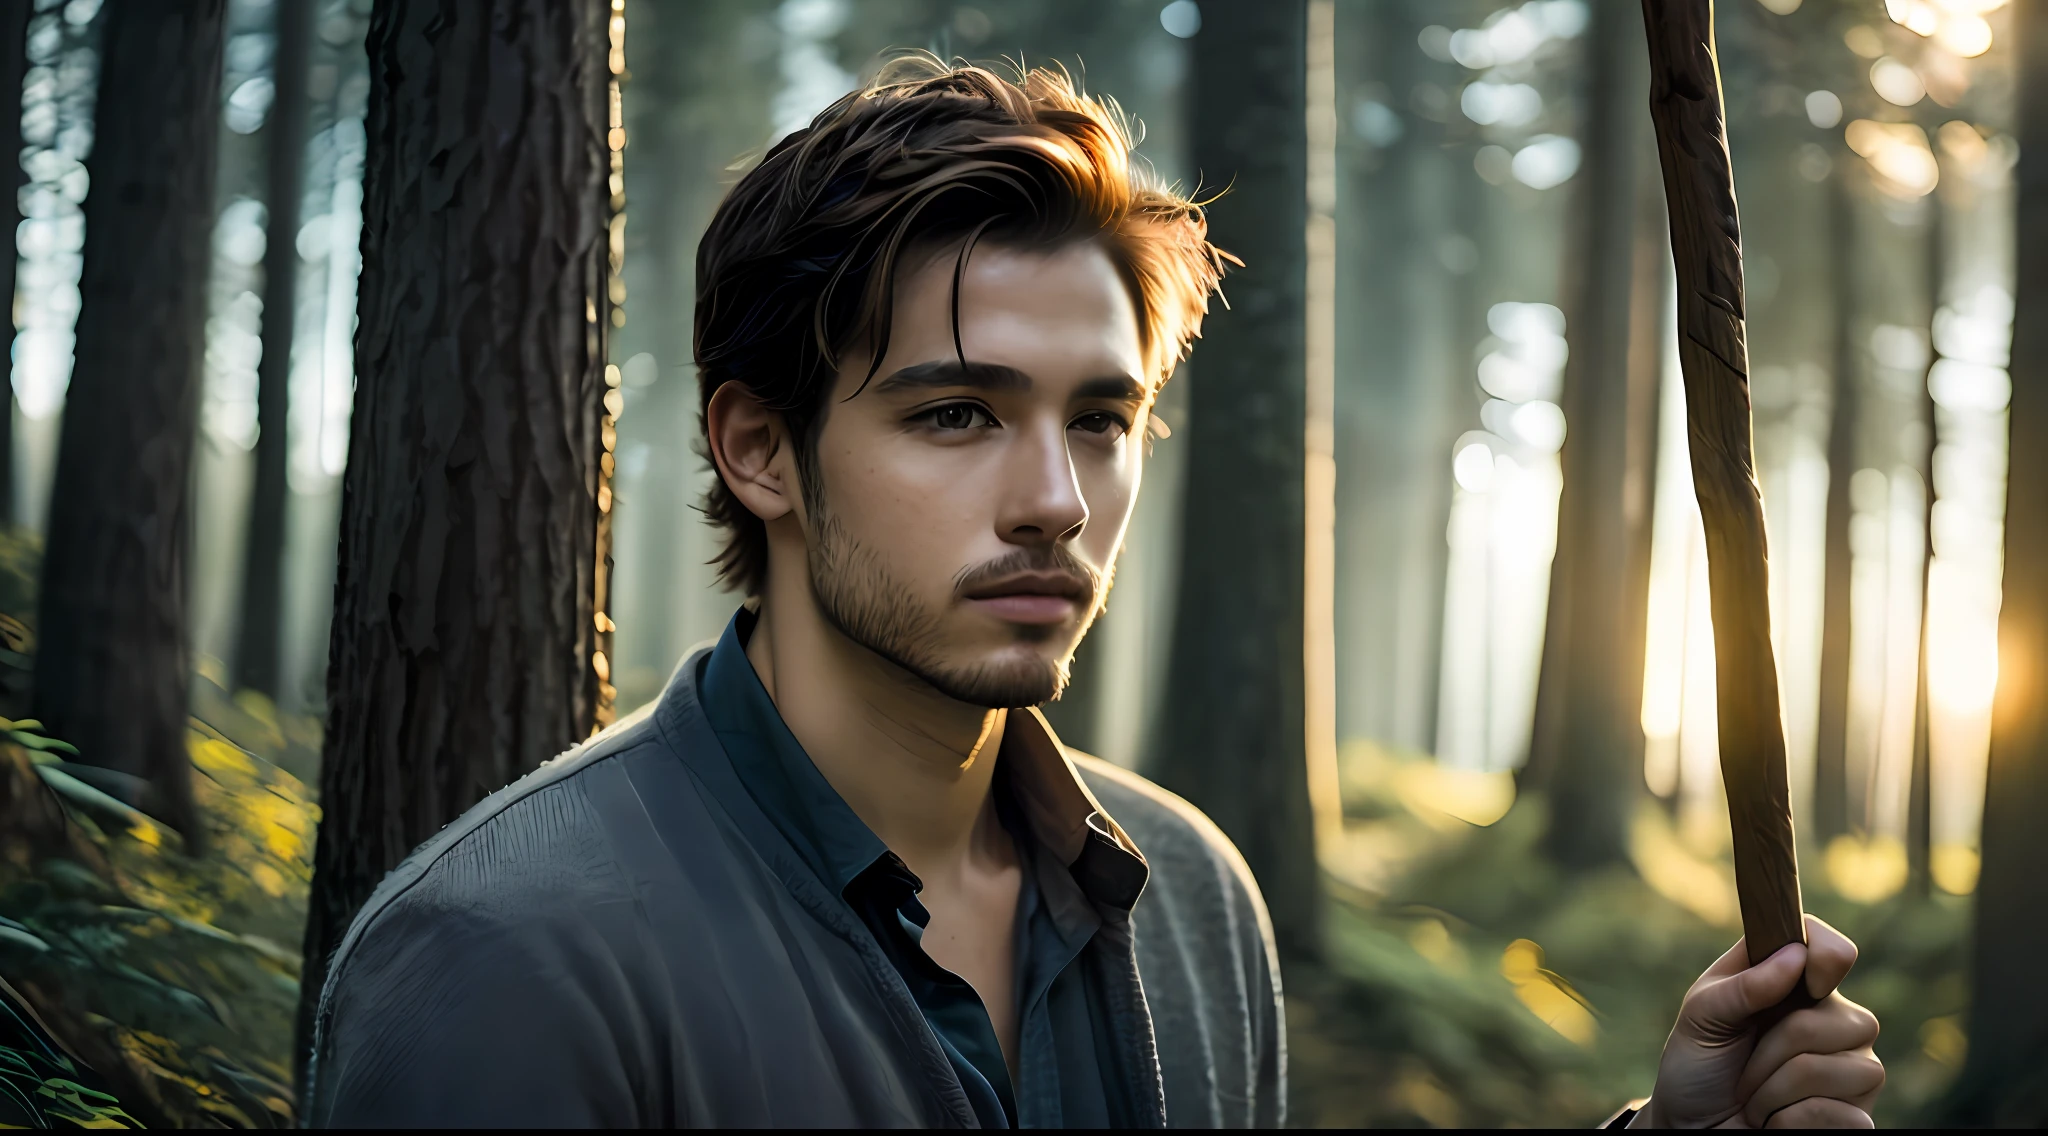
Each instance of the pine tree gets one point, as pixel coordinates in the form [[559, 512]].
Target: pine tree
[[1233, 735], [111, 666], [257, 656], [1587, 743], [466, 646], [2009, 1012], [14, 19]]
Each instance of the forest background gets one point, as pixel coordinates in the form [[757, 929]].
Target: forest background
[[352, 420]]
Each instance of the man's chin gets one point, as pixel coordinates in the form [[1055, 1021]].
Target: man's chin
[[1007, 682]]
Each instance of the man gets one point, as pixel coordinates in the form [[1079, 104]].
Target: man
[[842, 873]]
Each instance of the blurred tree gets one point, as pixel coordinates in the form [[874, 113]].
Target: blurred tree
[[257, 657], [14, 19], [111, 669], [1831, 752], [2008, 1048], [1587, 744], [1920, 773], [701, 96], [1233, 733], [1407, 189], [465, 649]]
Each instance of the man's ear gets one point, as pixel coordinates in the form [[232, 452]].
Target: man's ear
[[753, 451]]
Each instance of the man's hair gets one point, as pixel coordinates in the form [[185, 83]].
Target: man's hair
[[799, 264]]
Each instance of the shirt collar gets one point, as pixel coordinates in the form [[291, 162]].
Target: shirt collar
[[1064, 816], [776, 771], [1033, 769]]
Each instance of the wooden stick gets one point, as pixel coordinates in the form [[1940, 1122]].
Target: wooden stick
[[1706, 250]]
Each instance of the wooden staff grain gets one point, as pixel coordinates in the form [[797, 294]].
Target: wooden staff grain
[[1706, 250]]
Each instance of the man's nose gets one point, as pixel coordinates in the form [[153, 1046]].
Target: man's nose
[[1042, 499]]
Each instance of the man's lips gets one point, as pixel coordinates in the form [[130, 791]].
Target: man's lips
[[1033, 598]]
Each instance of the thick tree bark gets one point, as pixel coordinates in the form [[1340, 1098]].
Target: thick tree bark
[[1706, 251], [111, 669], [1233, 731], [2009, 1012], [258, 652], [14, 20], [1589, 702], [466, 647]]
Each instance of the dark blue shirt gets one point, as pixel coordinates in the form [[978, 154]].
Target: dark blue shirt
[[1066, 1074]]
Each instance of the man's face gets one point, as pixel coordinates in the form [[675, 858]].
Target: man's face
[[971, 516]]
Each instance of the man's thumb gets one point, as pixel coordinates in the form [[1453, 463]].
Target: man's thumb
[[1728, 1005]]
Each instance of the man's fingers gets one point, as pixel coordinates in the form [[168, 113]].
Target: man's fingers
[[1843, 1077], [1820, 1112], [1829, 956], [1837, 1025]]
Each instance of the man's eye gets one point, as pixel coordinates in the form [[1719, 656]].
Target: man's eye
[[959, 416], [1100, 422]]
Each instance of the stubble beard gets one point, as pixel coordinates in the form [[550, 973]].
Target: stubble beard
[[857, 596]]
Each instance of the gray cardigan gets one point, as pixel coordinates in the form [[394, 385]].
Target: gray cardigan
[[621, 939]]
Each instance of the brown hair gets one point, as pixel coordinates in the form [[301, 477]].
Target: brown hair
[[800, 260]]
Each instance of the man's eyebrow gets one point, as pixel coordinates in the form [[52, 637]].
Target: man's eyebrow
[[940, 373], [1112, 388], [952, 373]]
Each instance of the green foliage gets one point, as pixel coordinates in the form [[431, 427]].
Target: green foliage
[[177, 977], [40, 1084], [173, 979], [1431, 1004]]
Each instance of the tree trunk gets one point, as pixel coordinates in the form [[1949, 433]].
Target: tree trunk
[[1831, 746], [1588, 721], [1920, 773], [1650, 313], [258, 654], [1233, 734], [466, 644], [111, 669], [2009, 1013], [14, 19]]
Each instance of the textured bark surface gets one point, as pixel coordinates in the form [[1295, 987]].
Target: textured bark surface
[[1233, 736], [2003, 1084], [111, 666], [464, 648], [257, 652], [1706, 250], [1587, 743]]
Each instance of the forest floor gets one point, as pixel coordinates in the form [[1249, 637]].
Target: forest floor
[[172, 979], [1473, 984]]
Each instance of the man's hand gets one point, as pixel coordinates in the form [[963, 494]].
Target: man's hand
[[1732, 1062]]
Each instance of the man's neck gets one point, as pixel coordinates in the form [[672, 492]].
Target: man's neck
[[913, 764]]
